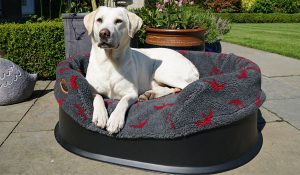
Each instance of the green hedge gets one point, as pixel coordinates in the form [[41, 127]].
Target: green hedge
[[260, 17], [36, 47]]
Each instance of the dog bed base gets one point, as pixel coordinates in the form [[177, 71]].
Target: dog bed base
[[211, 151]]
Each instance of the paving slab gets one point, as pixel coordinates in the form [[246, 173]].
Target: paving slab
[[15, 112], [292, 81], [268, 116], [271, 64], [51, 85], [281, 87], [43, 116], [39, 88], [288, 109], [5, 130], [280, 153], [39, 153]]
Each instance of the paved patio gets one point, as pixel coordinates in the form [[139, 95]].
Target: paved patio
[[28, 146]]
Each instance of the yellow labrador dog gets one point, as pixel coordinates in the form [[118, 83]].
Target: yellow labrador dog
[[119, 72]]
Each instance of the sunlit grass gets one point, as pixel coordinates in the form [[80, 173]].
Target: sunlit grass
[[281, 38]]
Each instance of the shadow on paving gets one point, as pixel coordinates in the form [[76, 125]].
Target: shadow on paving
[[39, 93]]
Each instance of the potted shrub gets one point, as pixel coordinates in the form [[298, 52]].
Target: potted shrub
[[165, 24]]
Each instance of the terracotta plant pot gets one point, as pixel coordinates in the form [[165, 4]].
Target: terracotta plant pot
[[187, 39]]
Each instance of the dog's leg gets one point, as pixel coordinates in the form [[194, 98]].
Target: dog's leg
[[157, 92], [117, 119], [100, 115]]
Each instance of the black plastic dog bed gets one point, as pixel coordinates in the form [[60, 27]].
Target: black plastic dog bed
[[210, 126]]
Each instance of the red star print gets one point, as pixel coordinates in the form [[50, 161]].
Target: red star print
[[73, 82], [80, 112], [215, 71], [237, 103], [162, 106], [242, 75], [215, 85], [140, 124], [207, 119]]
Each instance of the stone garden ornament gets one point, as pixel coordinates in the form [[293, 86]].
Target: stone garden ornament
[[16, 85]]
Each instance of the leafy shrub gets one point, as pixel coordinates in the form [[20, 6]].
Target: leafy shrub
[[247, 4], [200, 3], [81, 6], [260, 17], [286, 6], [36, 47], [221, 6], [263, 6], [150, 3], [270, 6]]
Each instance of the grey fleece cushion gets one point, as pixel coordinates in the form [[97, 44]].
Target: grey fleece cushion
[[16, 85], [229, 89]]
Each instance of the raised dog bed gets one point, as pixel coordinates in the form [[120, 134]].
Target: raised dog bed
[[210, 126]]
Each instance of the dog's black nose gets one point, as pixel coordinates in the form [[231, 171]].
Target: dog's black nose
[[104, 33]]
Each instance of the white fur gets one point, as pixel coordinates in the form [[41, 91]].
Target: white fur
[[119, 72]]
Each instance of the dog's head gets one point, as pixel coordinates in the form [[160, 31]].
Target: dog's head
[[112, 27]]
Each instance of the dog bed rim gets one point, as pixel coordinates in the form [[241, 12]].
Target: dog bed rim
[[254, 138]]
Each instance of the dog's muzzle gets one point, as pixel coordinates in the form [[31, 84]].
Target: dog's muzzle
[[104, 34], [105, 39], [105, 45]]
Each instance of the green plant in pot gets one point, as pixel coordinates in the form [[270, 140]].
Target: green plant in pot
[[164, 25]]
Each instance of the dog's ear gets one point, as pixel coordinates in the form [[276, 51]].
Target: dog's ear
[[134, 23], [88, 21]]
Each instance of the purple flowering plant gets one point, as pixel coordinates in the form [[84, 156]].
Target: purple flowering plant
[[173, 14], [182, 14]]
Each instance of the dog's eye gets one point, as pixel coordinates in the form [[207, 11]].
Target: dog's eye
[[99, 20], [118, 21]]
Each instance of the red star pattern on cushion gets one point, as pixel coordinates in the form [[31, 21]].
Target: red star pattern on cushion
[[258, 101], [60, 101], [159, 107], [237, 103], [182, 51], [165, 109], [80, 112], [170, 121], [73, 82], [215, 85], [243, 74], [140, 124], [207, 119], [62, 70], [207, 54], [108, 102], [215, 71]]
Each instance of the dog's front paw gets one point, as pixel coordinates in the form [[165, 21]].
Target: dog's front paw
[[100, 118], [115, 123]]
